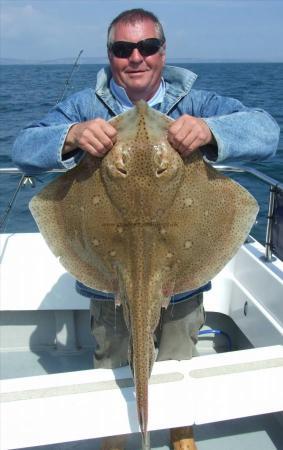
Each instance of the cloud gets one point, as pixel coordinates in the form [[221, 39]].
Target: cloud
[[50, 29], [14, 20], [37, 31]]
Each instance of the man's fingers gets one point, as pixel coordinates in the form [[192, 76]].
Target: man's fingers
[[95, 136], [188, 133], [179, 131], [186, 150], [91, 150], [99, 135], [177, 139], [103, 132], [175, 127], [189, 143], [96, 148], [110, 131], [184, 135]]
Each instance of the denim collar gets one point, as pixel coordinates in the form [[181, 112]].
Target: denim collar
[[178, 83]]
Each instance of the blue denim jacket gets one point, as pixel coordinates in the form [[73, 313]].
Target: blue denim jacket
[[241, 133]]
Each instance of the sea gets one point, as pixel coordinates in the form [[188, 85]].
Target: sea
[[27, 92]]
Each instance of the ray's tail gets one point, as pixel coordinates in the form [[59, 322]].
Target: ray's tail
[[146, 441], [142, 362]]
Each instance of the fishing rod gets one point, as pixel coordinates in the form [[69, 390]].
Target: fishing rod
[[68, 79]]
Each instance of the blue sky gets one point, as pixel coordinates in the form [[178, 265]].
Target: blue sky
[[203, 29]]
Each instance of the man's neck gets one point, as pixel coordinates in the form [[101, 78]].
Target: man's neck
[[121, 95]]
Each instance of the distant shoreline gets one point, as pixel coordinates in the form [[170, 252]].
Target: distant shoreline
[[83, 61]]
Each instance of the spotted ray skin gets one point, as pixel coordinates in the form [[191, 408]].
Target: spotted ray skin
[[145, 224]]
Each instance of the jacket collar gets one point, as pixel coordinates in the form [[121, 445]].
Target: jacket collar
[[103, 91], [178, 82]]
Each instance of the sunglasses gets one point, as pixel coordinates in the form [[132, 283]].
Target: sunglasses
[[146, 47]]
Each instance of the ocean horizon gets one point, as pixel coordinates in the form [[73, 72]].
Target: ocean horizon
[[69, 60]]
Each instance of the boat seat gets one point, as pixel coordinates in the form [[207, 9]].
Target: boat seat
[[74, 406], [32, 278]]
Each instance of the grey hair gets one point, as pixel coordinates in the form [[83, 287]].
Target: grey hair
[[132, 16]]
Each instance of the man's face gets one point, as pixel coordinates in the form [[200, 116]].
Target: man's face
[[139, 75]]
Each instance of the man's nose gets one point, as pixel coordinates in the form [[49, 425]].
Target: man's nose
[[135, 56]]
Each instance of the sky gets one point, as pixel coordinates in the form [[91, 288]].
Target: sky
[[247, 30]]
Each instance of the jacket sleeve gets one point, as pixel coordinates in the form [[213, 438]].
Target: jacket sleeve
[[241, 133], [38, 147]]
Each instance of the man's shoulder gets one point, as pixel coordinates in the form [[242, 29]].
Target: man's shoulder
[[82, 101], [86, 93], [180, 77], [81, 104]]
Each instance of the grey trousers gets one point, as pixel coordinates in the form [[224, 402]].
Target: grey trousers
[[175, 336]]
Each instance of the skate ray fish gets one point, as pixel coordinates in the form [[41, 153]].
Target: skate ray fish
[[144, 224]]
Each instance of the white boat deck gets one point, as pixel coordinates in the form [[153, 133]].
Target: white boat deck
[[50, 396]]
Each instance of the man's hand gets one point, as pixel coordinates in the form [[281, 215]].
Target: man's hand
[[189, 133], [96, 137]]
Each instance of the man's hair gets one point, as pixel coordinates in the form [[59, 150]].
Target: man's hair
[[132, 16]]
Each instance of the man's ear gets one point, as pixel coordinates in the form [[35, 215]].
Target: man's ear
[[164, 52]]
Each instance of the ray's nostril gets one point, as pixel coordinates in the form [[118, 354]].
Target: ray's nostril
[[122, 170], [161, 170]]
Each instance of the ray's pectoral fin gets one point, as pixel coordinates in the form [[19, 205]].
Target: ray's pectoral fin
[[212, 215], [78, 222]]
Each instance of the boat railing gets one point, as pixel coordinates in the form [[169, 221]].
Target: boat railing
[[274, 226]]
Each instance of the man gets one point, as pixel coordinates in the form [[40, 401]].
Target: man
[[222, 128]]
